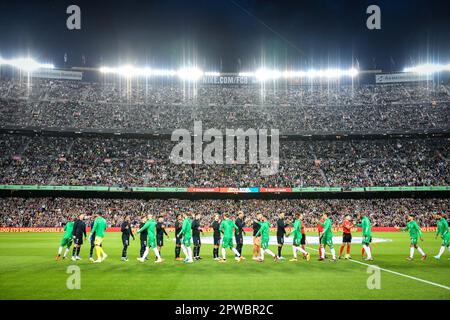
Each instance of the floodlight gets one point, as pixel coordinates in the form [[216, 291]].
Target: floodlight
[[191, 74]]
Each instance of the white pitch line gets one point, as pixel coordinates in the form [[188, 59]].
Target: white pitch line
[[396, 273]]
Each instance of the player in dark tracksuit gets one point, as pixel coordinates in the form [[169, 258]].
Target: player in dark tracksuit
[[143, 237], [216, 236], [92, 239], [178, 225], [126, 233], [79, 229], [196, 229], [281, 232], [160, 232], [238, 233]]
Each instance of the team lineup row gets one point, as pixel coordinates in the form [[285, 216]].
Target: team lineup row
[[152, 234]]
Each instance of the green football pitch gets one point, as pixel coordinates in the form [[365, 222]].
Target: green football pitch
[[28, 270]]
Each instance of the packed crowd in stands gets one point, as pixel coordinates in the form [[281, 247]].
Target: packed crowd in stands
[[54, 212], [164, 107], [140, 162]]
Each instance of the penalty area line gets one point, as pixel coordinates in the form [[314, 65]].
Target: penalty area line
[[395, 272]]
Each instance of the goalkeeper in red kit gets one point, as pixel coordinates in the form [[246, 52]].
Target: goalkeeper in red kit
[[347, 225]]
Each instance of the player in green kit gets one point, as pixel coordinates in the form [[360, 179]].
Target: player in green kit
[[367, 235], [186, 235], [99, 230], [415, 234], [297, 242], [150, 227], [327, 238], [264, 233], [66, 241], [442, 230], [226, 227]]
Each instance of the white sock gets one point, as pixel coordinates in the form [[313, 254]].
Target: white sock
[[294, 252], [368, 251], [262, 254], [270, 252], [420, 251], [183, 247], [224, 254], [59, 251], [302, 251], [155, 250], [411, 252], [145, 253], [322, 252], [333, 253], [441, 251], [66, 252], [236, 252], [189, 250]]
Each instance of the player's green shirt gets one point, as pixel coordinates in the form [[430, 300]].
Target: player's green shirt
[[327, 227], [442, 227], [99, 227], [227, 226], [297, 231], [150, 226], [413, 228], [68, 229], [264, 230], [186, 230], [365, 226]]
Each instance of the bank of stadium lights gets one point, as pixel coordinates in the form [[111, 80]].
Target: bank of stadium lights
[[26, 64], [428, 68], [267, 74]]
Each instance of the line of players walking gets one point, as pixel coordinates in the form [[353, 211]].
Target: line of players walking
[[187, 229]]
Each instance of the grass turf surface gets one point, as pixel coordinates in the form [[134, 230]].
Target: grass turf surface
[[28, 270]]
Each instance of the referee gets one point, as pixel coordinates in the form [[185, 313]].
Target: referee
[[79, 229]]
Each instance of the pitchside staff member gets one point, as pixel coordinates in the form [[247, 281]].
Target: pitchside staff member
[[160, 232], [281, 231], [178, 225], [79, 229], [126, 233], [143, 236], [238, 233], [256, 240], [196, 229], [216, 236]]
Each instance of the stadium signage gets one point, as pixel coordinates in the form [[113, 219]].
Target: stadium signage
[[400, 77], [57, 74], [226, 80]]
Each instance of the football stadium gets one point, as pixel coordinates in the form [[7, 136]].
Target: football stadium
[[197, 181]]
